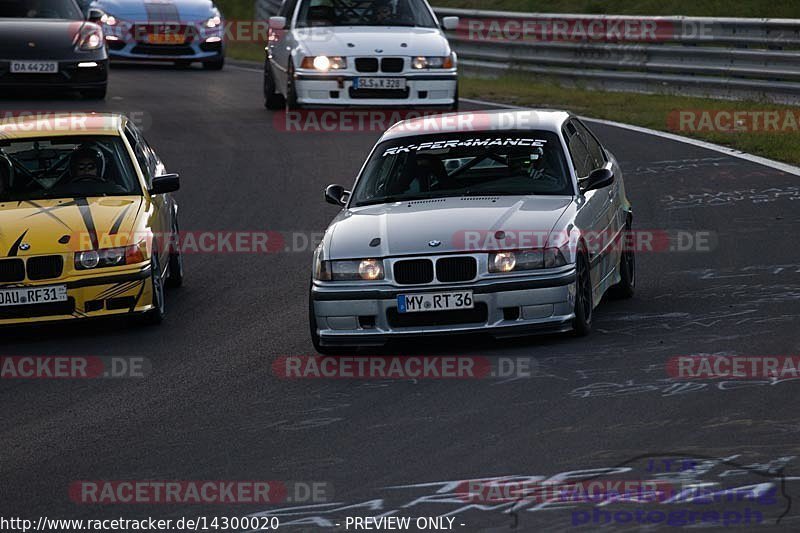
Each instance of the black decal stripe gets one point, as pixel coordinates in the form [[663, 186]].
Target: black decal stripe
[[15, 247], [88, 221], [48, 211], [138, 297], [117, 290], [109, 280], [118, 221]]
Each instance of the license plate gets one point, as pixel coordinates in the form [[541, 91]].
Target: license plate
[[34, 67], [165, 38], [443, 301], [33, 295], [379, 83]]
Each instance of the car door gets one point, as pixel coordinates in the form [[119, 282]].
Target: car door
[[280, 45], [162, 204], [595, 217]]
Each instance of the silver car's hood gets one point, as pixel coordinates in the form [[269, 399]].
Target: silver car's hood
[[408, 227]]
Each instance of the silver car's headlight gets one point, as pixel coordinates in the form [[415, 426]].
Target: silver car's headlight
[[356, 270], [515, 261], [213, 22]]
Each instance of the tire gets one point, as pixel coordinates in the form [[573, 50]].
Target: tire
[[291, 92], [272, 99], [217, 64], [315, 340], [175, 272], [156, 316], [627, 270], [95, 94], [584, 304]]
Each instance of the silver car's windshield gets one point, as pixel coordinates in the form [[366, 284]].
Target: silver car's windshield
[[409, 13], [64, 167], [40, 9], [494, 163]]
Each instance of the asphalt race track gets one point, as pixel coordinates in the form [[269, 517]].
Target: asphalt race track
[[211, 408]]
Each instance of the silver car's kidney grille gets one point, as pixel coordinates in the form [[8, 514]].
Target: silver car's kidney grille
[[392, 64], [453, 269], [413, 272]]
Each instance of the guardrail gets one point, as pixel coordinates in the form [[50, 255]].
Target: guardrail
[[729, 58], [721, 58]]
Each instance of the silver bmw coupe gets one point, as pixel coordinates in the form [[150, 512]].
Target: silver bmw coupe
[[507, 223]]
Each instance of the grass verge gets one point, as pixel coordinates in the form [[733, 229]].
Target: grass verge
[[650, 111]]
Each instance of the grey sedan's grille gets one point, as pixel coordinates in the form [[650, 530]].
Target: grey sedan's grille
[[453, 269], [413, 272]]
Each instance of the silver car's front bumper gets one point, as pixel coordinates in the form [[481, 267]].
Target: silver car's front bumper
[[503, 308]]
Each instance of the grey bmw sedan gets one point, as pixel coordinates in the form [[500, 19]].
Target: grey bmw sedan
[[507, 223]]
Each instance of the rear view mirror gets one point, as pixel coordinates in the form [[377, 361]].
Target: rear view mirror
[[599, 178], [336, 195], [450, 23], [277, 23], [165, 183], [95, 15]]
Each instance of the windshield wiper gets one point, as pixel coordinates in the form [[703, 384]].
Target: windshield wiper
[[392, 199]]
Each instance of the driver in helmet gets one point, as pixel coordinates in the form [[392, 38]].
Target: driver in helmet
[[87, 163]]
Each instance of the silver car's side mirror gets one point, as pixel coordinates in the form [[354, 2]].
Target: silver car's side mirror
[[599, 178], [450, 23], [277, 23], [336, 195]]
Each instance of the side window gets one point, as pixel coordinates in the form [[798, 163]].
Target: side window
[[596, 154], [287, 10], [577, 150], [141, 153]]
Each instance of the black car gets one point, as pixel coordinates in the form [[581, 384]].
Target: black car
[[49, 44]]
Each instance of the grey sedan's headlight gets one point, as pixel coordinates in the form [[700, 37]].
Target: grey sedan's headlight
[[357, 270], [504, 262], [423, 62], [213, 22]]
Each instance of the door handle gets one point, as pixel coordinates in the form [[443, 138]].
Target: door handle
[[612, 193]]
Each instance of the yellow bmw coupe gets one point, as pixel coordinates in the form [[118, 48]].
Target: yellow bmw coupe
[[87, 221]]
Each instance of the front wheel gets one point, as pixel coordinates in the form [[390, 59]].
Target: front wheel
[[291, 92], [156, 315], [272, 99], [627, 269], [584, 304]]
